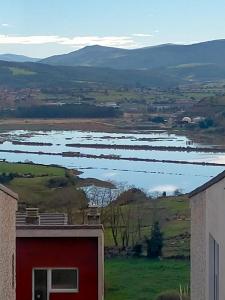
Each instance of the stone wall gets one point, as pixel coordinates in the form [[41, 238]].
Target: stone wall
[[8, 206]]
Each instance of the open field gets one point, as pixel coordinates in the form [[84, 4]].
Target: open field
[[105, 125], [32, 185], [35, 170], [64, 124], [143, 279]]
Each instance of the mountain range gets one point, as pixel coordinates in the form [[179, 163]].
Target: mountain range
[[212, 52], [17, 58], [160, 66]]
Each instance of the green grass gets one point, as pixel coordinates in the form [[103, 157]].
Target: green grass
[[143, 279], [20, 71], [35, 192], [35, 170], [176, 227]]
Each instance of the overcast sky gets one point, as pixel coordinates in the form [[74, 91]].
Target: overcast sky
[[41, 28]]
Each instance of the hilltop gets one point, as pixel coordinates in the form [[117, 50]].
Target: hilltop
[[210, 52], [17, 58]]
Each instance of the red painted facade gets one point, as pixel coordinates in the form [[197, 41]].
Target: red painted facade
[[60, 252]]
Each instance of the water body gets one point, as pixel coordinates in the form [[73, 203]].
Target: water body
[[150, 176]]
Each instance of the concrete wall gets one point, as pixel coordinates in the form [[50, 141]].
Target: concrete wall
[[8, 206], [198, 248], [208, 218]]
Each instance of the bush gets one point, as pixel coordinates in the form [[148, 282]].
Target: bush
[[57, 182], [158, 119], [7, 177], [155, 243], [169, 295], [204, 124], [137, 249]]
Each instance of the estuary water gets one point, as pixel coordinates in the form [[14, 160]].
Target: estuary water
[[151, 176]]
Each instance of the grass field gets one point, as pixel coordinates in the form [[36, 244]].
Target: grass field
[[20, 71], [36, 170], [143, 279], [35, 192]]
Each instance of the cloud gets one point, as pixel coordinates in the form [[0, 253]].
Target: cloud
[[77, 41], [187, 43], [142, 35], [163, 188], [5, 25]]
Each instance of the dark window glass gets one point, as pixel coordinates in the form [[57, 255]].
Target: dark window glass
[[64, 279], [40, 285]]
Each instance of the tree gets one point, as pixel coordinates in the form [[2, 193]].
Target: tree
[[155, 243]]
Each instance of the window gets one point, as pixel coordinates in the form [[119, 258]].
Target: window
[[64, 279], [55, 280]]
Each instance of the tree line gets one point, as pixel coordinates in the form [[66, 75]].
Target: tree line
[[62, 111]]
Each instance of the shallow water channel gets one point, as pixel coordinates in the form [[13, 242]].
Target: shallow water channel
[[151, 176]]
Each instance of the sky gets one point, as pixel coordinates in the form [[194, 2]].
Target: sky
[[41, 28]]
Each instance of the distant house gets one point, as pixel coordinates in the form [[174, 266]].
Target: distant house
[[208, 240], [8, 206], [186, 120]]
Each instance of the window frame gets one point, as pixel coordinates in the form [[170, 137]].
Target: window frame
[[54, 290], [50, 290]]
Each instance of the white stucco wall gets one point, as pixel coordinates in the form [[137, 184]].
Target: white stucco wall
[[208, 217], [8, 206]]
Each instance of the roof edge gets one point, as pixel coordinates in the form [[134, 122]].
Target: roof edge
[[59, 227], [207, 185], [9, 192]]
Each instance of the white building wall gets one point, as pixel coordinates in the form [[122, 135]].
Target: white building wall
[[8, 206], [215, 225], [208, 218], [198, 248]]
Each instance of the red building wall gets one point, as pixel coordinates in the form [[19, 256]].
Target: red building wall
[[81, 253]]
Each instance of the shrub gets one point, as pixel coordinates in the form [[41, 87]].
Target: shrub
[[169, 295], [57, 182], [137, 249], [158, 119], [7, 177], [155, 243]]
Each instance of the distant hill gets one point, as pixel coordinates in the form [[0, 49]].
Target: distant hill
[[88, 56], [211, 52], [38, 75], [17, 58]]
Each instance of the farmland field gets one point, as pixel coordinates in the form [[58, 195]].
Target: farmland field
[[143, 279]]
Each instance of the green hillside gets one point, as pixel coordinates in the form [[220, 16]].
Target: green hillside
[[211, 52], [36, 75]]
